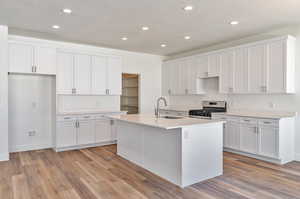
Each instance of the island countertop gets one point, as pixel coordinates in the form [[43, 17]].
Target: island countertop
[[164, 123]]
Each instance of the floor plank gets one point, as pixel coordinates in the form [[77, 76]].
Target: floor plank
[[99, 173]]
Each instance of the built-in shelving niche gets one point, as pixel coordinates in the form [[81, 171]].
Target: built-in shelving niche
[[130, 93]]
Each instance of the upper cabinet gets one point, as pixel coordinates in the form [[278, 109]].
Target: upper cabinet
[[263, 67], [83, 74], [31, 58]]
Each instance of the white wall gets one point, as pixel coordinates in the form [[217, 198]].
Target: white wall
[[3, 94], [146, 65], [257, 102]]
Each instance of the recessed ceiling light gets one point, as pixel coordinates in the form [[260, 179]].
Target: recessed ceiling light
[[67, 10], [124, 38], [56, 27], [145, 28], [163, 45], [234, 23], [187, 37], [188, 8]]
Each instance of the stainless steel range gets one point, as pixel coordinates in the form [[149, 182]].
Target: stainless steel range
[[209, 107]]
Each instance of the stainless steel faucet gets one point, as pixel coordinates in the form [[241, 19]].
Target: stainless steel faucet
[[157, 109]]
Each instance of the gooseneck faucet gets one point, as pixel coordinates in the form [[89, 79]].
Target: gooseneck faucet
[[157, 109]]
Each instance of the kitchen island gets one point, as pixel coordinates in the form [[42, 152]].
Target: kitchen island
[[183, 151]]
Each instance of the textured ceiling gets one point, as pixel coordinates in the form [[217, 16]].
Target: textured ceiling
[[104, 22]]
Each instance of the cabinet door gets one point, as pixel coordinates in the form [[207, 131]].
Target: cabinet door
[[103, 130], [193, 82], [214, 65], [241, 71], [276, 82], [202, 64], [249, 138], [268, 141], [20, 58], [257, 68], [182, 78], [232, 135], [82, 74], [65, 73], [45, 60], [66, 134], [166, 79], [86, 132], [99, 75], [114, 76], [226, 72], [174, 77]]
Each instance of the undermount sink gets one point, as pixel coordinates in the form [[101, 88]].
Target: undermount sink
[[171, 117]]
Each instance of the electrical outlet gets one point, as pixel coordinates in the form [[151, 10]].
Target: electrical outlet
[[31, 133], [33, 104]]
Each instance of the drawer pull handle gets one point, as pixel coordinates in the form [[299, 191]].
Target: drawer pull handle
[[67, 118], [247, 120], [86, 117], [267, 122]]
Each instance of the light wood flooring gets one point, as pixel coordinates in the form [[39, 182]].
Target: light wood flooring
[[98, 173]]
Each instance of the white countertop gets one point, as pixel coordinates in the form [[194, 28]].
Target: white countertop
[[151, 120], [259, 114], [90, 112]]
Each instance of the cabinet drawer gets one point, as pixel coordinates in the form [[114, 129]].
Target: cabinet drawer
[[101, 116], [268, 122], [66, 118], [247, 120], [85, 117], [219, 117]]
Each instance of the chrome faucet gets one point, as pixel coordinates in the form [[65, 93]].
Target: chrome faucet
[[157, 109]]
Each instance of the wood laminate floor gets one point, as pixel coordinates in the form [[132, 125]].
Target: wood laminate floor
[[98, 173]]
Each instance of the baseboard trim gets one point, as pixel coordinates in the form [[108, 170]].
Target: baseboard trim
[[21, 148], [4, 157], [297, 157]]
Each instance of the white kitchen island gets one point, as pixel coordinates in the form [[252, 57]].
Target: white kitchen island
[[183, 151]]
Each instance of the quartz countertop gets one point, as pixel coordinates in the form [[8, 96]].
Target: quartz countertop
[[259, 114], [151, 120], [90, 112]]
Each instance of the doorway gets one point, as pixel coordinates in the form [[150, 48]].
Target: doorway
[[130, 93]]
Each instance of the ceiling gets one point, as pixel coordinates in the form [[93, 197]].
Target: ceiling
[[105, 22]]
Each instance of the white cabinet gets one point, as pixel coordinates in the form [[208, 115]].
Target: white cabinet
[[114, 76], [257, 68], [66, 134], [103, 130], [65, 73], [85, 132], [20, 58], [240, 73], [30, 58], [99, 74], [45, 60], [268, 141], [202, 65], [82, 74], [166, 86], [214, 65], [232, 135], [248, 138], [226, 72]]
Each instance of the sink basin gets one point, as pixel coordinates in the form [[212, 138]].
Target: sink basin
[[171, 117]]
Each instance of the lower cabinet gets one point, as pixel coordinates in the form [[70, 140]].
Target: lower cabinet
[[66, 134], [267, 139], [83, 131]]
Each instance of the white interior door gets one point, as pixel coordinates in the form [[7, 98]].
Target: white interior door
[[99, 75], [20, 58], [45, 60], [257, 68], [86, 132], [103, 130], [277, 60], [65, 73], [82, 74], [114, 76]]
